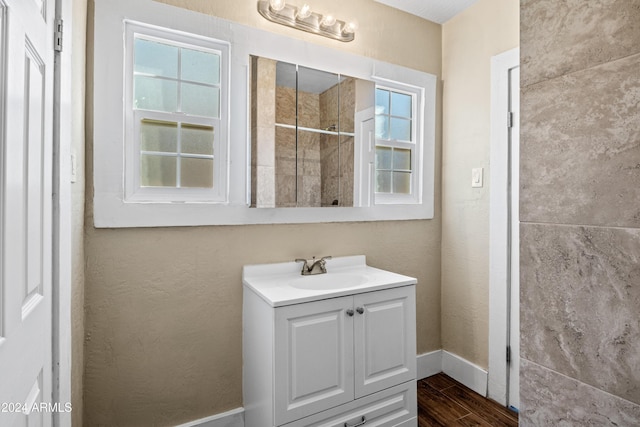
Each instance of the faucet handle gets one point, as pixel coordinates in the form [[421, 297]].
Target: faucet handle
[[305, 265], [324, 258]]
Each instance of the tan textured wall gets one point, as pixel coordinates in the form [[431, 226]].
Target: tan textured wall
[[469, 40], [384, 33], [163, 306], [78, 44]]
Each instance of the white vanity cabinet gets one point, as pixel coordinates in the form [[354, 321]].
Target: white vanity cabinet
[[340, 361]]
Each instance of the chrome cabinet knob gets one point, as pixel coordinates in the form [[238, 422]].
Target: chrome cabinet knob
[[349, 312], [360, 310]]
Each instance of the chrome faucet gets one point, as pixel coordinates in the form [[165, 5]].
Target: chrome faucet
[[314, 266]]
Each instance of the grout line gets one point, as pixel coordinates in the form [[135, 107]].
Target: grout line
[[595, 388], [599, 64], [555, 224]]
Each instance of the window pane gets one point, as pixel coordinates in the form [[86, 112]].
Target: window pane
[[155, 94], [158, 136], [382, 127], [157, 171], [197, 139], [196, 173], [400, 129], [382, 101], [400, 105], [401, 159], [383, 157], [402, 182], [200, 100], [201, 67], [383, 182], [155, 58]]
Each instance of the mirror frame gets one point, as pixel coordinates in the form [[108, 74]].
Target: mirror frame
[[110, 208]]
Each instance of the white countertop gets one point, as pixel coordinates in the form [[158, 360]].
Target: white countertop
[[283, 284]]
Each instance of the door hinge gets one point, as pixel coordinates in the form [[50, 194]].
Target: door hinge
[[509, 119], [57, 36], [508, 354]]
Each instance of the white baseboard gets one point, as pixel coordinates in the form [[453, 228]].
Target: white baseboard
[[233, 418], [428, 364], [465, 372]]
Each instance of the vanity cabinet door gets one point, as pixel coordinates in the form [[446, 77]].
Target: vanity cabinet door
[[313, 357], [385, 334]]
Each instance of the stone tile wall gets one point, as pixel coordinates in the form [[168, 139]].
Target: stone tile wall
[[263, 115], [337, 107], [303, 160], [580, 212]]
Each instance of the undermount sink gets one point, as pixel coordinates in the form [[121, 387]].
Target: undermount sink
[[328, 281]]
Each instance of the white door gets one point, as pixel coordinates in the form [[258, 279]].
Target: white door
[[385, 346], [314, 357], [26, 45], [365, 151], [514, 226]]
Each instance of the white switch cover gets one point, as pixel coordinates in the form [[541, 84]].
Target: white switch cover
[[476, 177]]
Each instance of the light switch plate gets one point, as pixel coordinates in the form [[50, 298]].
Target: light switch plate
[[476, 177]]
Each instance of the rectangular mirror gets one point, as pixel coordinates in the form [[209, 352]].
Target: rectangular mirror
[[303, 134]]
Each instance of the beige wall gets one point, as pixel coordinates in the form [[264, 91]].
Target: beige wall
[[384, 33], [163, 306], [469, 40]]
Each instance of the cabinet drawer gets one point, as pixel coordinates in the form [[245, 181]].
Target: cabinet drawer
[[392, 407]]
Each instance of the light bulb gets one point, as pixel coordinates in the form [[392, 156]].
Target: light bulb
[[304, 12], [328, 20], [277, 5], [350, 27]]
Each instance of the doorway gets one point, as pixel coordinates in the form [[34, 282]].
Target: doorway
[[504, 348]]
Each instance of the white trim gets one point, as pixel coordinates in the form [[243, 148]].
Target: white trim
[[233, 418], [109, 208], [465, 372], [498, 223], [416, 143], [3, 139], [134, 192], [428, 364], [364, 149], [62, 276]]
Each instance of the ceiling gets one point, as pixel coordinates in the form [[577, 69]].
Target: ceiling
[[439, 11]]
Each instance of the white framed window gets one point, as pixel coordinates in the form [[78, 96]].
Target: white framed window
[[398, 143], [176, 115]]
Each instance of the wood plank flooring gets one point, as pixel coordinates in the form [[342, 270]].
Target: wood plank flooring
[[442, 401]]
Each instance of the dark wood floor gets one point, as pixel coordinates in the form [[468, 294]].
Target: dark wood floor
[[442, 401]]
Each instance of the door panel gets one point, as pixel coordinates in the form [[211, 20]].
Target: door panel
[[385, 351], [26, 193], [314, 358], [34, 147]]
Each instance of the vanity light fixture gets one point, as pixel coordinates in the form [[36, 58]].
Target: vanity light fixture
[[303, 18], [304, 12]]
